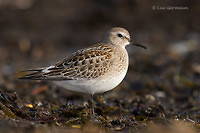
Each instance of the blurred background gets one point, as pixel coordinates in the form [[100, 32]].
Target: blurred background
[[35, 33]]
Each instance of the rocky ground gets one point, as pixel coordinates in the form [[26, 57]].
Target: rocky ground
[[161, 92]]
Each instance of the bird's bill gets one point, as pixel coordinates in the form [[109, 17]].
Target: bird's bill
[[140, 45]]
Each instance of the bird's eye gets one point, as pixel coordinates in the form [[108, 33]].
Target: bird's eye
[[119, 35]]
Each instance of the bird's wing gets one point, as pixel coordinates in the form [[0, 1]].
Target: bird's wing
[[87, 63]]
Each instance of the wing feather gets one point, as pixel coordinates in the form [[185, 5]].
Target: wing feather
[[87, 63]]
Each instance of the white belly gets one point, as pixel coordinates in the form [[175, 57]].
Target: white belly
[[106, 82], [98, 85]]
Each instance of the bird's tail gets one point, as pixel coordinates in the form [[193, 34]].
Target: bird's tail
[[31, 74]]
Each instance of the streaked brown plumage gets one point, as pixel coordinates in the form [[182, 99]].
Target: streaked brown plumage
[[96, 69], [88, 63]]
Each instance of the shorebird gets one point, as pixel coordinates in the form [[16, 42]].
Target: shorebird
[[95, 69]]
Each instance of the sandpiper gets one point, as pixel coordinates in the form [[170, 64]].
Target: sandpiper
[[96, 69]]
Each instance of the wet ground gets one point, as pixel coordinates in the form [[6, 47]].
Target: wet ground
[[161, 91]]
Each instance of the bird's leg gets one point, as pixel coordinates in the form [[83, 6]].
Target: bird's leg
[[91, 104]]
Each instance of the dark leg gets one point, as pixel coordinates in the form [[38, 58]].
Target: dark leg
[[91, 105]]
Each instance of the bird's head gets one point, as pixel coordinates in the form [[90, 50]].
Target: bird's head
[[119, 36]]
